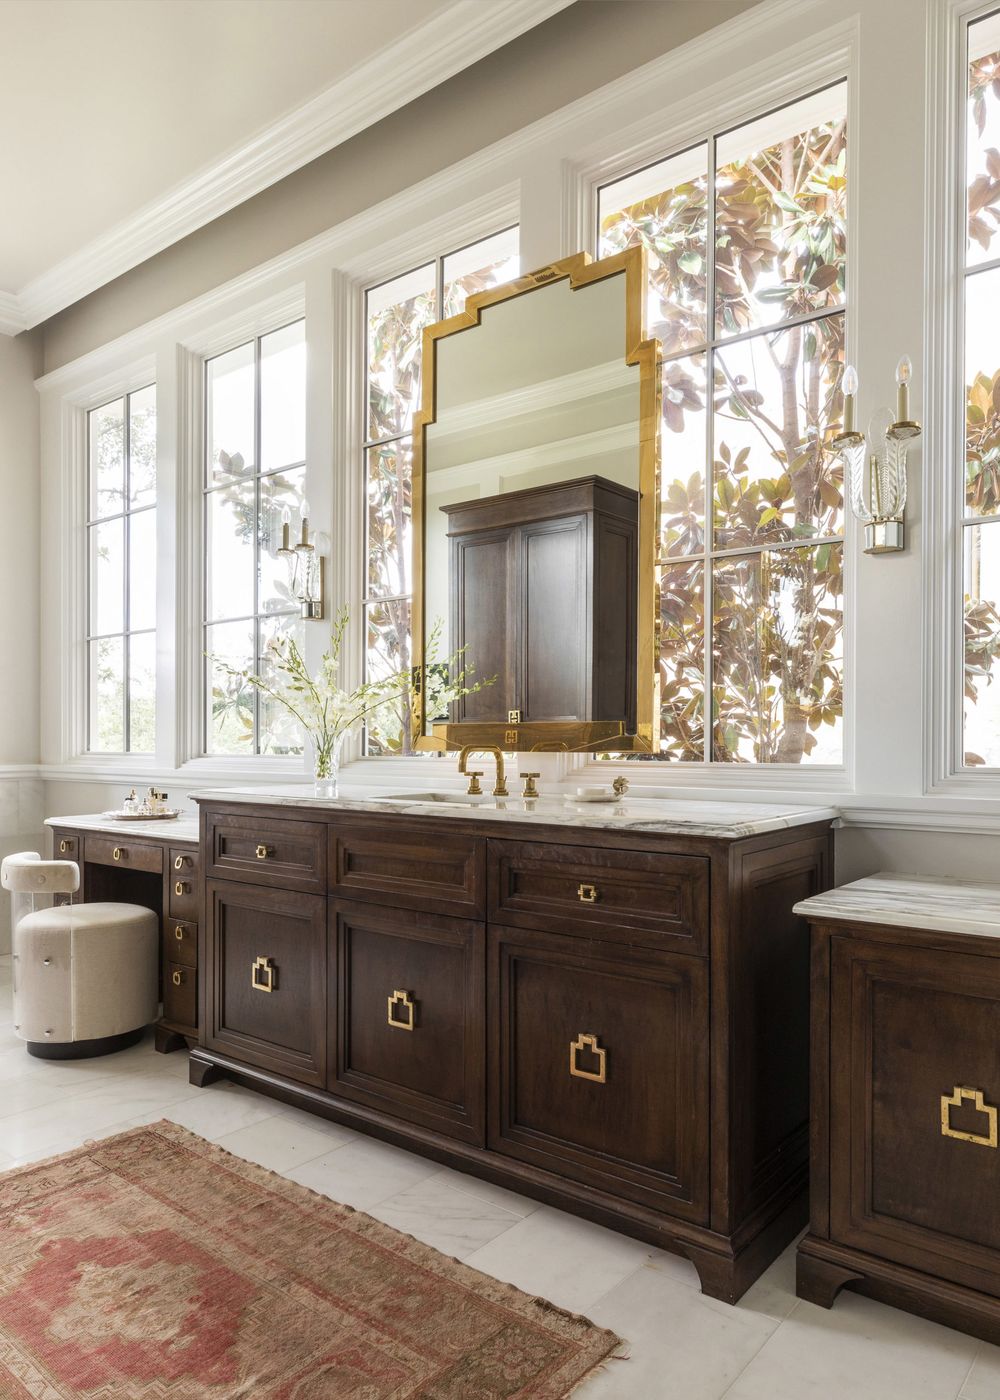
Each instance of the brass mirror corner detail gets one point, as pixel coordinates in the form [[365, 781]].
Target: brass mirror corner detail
[[535, 513]]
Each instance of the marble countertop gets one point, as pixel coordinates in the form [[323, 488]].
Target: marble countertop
[[182, 828], [728, 820], [932, 902]]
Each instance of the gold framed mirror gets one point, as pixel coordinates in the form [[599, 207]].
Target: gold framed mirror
[[535, 513]]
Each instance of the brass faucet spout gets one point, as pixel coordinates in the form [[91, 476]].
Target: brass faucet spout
[[500, 787]]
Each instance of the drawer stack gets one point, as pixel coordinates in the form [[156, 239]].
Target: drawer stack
[[180, 940]]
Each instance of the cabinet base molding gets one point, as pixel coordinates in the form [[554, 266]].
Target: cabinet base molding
[[823, 1268], [724, 1270]]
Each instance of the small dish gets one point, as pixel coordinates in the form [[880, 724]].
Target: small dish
[[591, 794]]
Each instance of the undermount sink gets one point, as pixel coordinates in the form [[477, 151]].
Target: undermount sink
[[439, 799]]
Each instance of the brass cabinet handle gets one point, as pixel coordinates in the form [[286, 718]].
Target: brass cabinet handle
[[588, 894], [118, 853], [182, 887], [177, 979], [262, 975], [405, 1002], [179, 932], [264, 851], [953, 1100], [65, 846], [179, 862], [588, 1042]]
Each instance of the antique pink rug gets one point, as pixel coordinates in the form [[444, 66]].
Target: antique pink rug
[[156, 1264]]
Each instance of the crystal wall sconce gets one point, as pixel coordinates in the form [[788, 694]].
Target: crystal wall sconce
[[880, 504], [306, 561]]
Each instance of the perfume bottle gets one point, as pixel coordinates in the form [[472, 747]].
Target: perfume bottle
[[131, 805]]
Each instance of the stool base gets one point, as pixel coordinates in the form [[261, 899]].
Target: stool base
[[84, 1049]]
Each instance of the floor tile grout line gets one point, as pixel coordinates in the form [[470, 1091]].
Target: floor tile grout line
[[770, 1337], [972, 1366]]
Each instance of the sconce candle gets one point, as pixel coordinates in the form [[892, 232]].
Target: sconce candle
[[903, 371], [850, 392]]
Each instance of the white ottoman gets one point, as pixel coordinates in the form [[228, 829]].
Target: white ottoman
[[85, 975]]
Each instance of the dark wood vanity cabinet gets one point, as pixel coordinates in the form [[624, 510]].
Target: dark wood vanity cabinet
[[906, 1152], [613, 1021], [542, 591]]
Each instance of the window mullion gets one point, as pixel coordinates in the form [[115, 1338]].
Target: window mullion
[[707, 630]]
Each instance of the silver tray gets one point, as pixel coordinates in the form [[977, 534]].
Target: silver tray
[[169, 815]]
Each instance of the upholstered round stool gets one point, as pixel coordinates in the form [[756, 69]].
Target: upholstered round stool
[[85, 975]]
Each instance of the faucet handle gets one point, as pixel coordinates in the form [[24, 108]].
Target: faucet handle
[[530, 790], [475, 788]]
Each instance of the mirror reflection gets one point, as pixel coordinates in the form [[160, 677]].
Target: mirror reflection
[[531, 507]]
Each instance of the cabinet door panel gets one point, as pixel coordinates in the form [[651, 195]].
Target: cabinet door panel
[[394, 861], [553, 633], [266, 1000], [408, 1032], [482, 572], [917, 1024], [599, 1067]]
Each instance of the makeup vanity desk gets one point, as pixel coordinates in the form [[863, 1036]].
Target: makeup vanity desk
[[155, 864], [602, 1006]]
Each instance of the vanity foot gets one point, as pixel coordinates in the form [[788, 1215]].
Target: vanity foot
[[202, 1072], [164, 1041], [720, 1277], [818, 1281]]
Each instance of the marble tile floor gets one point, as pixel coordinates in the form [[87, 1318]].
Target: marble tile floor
[[682, 1346]]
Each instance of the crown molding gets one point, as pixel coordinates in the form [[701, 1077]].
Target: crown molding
[[12, 318], [422, 59]]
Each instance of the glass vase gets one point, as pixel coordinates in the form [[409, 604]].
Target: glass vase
[[326, 768]]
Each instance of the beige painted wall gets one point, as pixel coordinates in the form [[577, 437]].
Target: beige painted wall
[[20, 793], [571, 54]]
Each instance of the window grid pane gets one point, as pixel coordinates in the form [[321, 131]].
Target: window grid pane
[[121, 547], [778, 200], [396, 313], [254, 483]]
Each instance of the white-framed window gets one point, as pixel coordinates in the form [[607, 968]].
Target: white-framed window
[[121, 574], [979, 512], [395, 315], [746, 237], [254, 483]]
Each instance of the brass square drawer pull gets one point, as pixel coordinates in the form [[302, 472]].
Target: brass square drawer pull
[[403, 1018], [953, 1100], [588, 894], [264, 851], [588, 1042], [262, 975]]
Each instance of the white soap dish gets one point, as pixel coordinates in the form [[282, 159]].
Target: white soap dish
[[592, 794]]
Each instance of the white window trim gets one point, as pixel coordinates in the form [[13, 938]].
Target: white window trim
[[72, 563], [822, 60], [944, 322]]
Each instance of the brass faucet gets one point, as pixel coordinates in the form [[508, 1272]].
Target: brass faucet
[[500, 788]]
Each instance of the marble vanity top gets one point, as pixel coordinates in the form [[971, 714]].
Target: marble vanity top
[[670, 817], [182, 828], [932, 902]]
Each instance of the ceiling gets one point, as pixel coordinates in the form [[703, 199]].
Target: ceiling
[[109, 106]]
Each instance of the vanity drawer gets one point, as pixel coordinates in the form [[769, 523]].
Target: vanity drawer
[[180, 942], [412, 867], [408, 1035], [183, 899], [180, 994], [120, 851], [266, 992], [268, 851], [64, 846], [599, 1067], [634, 897]]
